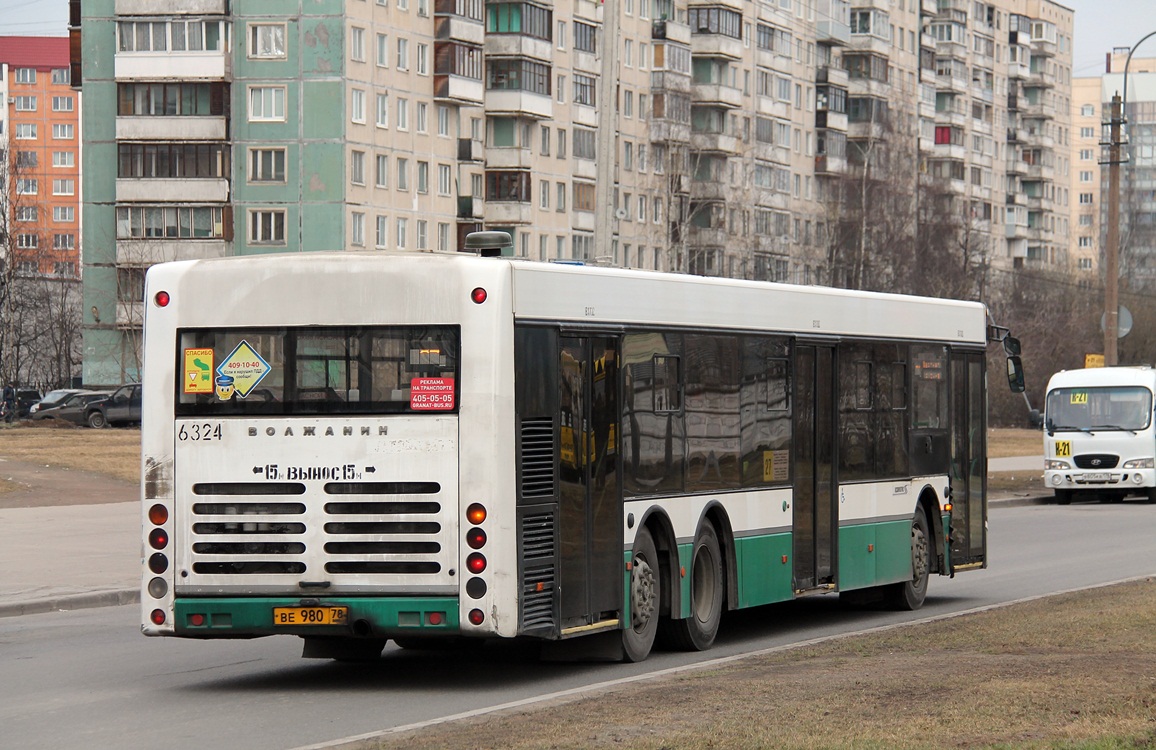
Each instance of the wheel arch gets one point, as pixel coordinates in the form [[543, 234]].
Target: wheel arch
[[661, 531], [718, 517], [931, 505]]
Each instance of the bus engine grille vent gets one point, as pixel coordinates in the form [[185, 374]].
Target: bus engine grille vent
[[1097, 461], [538, 571], [537, 448]]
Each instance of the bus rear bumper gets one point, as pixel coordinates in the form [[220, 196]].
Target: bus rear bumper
[[351, 616]]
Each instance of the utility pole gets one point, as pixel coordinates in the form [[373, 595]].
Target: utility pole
[[1112, 249]]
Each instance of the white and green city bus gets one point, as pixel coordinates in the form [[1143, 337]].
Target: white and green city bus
[[356, 447]]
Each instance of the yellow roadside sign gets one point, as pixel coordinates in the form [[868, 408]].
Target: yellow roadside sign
[[1093, 360]]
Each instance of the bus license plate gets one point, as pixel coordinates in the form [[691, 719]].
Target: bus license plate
[[310, 615], [1097, 477]]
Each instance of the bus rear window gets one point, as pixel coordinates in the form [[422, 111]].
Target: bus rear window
[[301, 371]]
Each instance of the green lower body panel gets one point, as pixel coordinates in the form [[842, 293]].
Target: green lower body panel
[[247, 617], [765, 571], [874, 554]]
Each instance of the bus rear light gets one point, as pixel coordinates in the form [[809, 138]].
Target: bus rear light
[[162, 299], [435, 618], [947, 507], [197, 620], [476, 538], [476, 588], [478, 296], [476, 617], [157, 617], [159, 539], [476, 563], [158, 514], [476, 513], [158, 588], [158, 563]]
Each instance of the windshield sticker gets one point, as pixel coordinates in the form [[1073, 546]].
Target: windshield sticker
[[1079, 397], [244, 368], [431, 394], [198, 371]]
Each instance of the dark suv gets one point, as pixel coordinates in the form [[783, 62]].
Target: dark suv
[[122, 407]]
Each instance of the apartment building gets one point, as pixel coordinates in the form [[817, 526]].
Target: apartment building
[[40, 144], [674, 135]]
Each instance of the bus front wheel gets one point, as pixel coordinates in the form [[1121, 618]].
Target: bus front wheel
[[1063, 497], [645, 598], [909, 595], [697, 632]]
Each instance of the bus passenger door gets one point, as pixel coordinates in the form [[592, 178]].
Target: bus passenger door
[[968, 461], [814, 516], [590, 512]]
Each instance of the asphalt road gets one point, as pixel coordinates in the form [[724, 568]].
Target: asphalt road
[[88, 679]]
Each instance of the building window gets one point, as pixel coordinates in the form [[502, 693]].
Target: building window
[[24, 75], [357, 106], [26, 131], [525, 19], [544, 194], [267, 103], [583, 90], [64, 187], [63, 159], [382, 229], [1088, 110], [518, 74], [267, 165], [508, 185], [422, 59], [445, 181], [403, 54], [25, 103], [26, 213], [27, 241], [422, 117], [27, 186], [266, 40], [357, 167], [402, 174], [382, 171], [383, 110], [357, 44], [27, 159], [64, 268], [266, 227], [170, 99], [63, 214], [63, 132], [402, 231], [357, 229], [1085, 242], [403, 114], [382, 51], [64, 242], [443, 236], [422, 234], [165, 222], [585, 37], [173, 160], [423, 176], [583, 196], [443, 120], [1086, 199], [61, 76]]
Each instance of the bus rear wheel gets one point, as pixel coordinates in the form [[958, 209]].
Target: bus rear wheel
[[697, 632], [909, 595], [645, 598]]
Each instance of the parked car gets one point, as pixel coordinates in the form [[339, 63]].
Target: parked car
[[25, 398], [122, 407], [52, 398], [74, 407]]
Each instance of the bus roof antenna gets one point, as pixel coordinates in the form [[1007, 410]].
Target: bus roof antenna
[[489, 244]]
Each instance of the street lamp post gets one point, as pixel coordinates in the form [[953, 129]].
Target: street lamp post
[[1116, 121]]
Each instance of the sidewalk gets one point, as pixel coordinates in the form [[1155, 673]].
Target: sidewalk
[[71, 539], [68, 539]]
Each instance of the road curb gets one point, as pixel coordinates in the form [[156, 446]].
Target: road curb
[[70, 602]]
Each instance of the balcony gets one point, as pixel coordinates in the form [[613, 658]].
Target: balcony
[[454, 28], [510, 158], [1039, 172], [714, 143], [766, 105], [671, 31], [669, 131], [191, 190], [1043, 48], [716, 45], [717, 95], [524, 103], [161, 66], [835, 33], [1018, 71], [584, 169], [1035, 110], [470, 207], [458, 90], [830, 165], [831, 120], [949, 151], [518, 45], [469, 150], [509, 213], [171, 128], [869, 43], [153, 8], [150, 252], [129, 314], [834, 76], [1015, 231]]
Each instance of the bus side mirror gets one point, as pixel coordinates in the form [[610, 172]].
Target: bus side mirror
[[1011, 346], [1035, 419], [1015, 374]]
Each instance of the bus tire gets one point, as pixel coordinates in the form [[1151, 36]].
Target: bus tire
[[909, 595], [697, 632], [1063, 497], [645, 598]]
